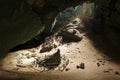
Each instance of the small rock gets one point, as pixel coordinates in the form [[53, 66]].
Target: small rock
[[117, 73], [77, 67], [100, 61], [67, 69], [82, 66], [28, 57], [79, 51], [98, 64]]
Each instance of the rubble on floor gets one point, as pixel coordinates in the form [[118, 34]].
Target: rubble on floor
[[81, 66]]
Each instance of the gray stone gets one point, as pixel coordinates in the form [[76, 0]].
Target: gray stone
[[51, 61]]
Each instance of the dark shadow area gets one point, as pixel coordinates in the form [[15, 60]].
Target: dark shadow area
[[32, 43], [104, 32]]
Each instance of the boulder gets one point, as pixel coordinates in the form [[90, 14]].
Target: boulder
[[18, 24]]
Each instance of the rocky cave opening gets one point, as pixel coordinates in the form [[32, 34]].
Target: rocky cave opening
[[54, 39]]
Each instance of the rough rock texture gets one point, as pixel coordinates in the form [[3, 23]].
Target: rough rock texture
[[18, 24], [49, 9], [82, 55], [51, 61], [48, 54]]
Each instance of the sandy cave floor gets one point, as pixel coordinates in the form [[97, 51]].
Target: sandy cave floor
[[79, 61]]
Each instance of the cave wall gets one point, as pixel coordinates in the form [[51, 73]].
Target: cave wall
[[110, 8], [18, 24], [109, 12], [22, 20], [105, 29]]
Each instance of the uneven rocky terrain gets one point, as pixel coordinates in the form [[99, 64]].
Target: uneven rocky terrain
[[66, 55]]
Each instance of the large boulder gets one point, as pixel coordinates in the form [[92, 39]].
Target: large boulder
[[18, 24]]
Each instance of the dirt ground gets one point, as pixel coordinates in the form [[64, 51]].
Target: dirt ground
[[97, 65]]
